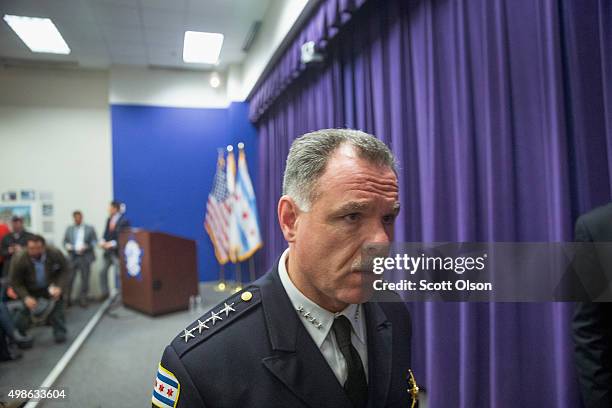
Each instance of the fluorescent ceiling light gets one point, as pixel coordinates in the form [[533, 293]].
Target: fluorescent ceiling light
[[39, 34], [203, 48]]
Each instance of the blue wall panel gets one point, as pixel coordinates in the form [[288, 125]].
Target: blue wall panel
[[164, 160]]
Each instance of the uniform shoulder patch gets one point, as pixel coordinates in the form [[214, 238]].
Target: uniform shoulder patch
[[216, 319], [166, 390]]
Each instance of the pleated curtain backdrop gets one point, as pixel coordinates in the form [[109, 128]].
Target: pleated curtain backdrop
[[500, 114]]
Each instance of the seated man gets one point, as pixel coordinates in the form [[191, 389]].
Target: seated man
[[39, 274]]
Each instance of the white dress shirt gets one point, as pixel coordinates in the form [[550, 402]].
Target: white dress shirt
[[79, 237], [318, 323], [113, 224]]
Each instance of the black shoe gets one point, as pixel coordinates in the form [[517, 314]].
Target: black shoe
[[23, 341], [83, 303], [13, 353], [60, 338]]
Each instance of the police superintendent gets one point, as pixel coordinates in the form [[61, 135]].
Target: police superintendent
[[304, 335]]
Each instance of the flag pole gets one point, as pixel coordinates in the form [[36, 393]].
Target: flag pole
[[221, 286], [252, 268], [238, 276]]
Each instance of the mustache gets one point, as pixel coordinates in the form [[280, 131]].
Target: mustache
[[363, 265], [365, 262]]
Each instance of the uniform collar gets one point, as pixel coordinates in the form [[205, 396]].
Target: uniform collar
[[317, 320]]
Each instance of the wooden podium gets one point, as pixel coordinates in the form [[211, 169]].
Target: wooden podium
[[158, 271]]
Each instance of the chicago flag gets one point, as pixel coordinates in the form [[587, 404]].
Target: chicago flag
[[245, 211]]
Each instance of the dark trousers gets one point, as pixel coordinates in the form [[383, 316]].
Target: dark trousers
[[56, 318], [6, 331], [82, 265], [6, 321]]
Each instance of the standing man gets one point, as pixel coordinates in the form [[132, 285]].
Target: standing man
[[115, 223], [592, 324], [80, 240], [13, 242], [305, 334], [4, 230], [39, 276]]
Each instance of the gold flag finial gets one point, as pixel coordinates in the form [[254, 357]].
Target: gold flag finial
[[413, 389]]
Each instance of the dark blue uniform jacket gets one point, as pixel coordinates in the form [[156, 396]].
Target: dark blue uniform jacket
[[253, 351]]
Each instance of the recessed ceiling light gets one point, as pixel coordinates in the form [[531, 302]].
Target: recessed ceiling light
[[203, 48], [39, 34], [215, 81]]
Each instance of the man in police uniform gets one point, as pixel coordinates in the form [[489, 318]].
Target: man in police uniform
[[304, 334]]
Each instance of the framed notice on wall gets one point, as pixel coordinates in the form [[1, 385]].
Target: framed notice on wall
[[8, 211], [30, 212]]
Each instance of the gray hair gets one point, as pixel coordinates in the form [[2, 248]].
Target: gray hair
[[309, 154]]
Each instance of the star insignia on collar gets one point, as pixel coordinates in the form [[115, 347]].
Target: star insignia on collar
[[214, 317], [201, 325], [227, 309], [186, 335]]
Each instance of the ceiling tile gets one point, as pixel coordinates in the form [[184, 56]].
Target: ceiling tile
[[130, 3], [107, 13], [133, 32], [165, 4], [67, 11], [165, 53], [162, 19], [122, 35], [127, 49], [31, 8], [163, 37]]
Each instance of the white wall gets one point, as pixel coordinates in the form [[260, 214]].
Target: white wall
[[279, 19], [55, 136], [159, 87], [55, 125]]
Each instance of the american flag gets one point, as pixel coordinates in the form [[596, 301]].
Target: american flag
[[218, 211]]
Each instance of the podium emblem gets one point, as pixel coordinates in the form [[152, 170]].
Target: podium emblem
[[133, 258]]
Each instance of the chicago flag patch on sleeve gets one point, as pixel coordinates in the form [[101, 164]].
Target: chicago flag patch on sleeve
[[167, 389]]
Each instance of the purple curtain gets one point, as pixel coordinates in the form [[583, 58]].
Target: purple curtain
[[325, 23], [500, 114]]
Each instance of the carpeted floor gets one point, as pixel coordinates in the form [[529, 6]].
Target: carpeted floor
[[30, 371], [117, 364]]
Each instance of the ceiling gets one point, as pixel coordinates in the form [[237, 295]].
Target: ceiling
[[101, 33]]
